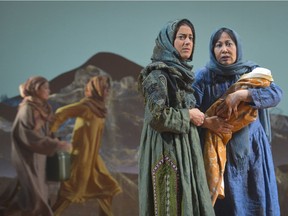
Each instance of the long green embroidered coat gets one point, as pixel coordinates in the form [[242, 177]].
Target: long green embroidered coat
[[172, 179]]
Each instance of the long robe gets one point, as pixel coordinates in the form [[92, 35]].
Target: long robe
[[253, 189], [30, 146], [172, 179], [89, 176]]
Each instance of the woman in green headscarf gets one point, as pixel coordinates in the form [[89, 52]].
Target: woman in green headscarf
[[171, 177]]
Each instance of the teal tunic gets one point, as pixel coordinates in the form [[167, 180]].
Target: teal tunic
[[172, 179]]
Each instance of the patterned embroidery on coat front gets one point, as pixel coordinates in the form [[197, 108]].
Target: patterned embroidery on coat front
[[166, 187]]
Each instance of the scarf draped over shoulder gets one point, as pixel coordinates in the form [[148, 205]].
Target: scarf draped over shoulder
[[215, 144], [166, 58], [29, 92], [238, 68]]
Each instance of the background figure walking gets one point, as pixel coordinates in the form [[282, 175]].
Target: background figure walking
[[31, 143], [90, 179]]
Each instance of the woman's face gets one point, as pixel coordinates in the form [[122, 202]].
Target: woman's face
[[225, 50], [183, 42], [44, 91]]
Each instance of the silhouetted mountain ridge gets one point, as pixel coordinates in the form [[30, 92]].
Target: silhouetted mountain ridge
[[116, 65]]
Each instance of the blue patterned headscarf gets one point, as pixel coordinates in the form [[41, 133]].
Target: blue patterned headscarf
[[164, 50], [239, 67]]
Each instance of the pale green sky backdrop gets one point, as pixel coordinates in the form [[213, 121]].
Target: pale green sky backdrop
[[49, 38]]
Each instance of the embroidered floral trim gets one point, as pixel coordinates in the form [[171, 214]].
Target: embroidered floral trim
[[165, 177]]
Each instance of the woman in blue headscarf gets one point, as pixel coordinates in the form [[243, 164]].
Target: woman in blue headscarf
[[249, 178], [171, 177]]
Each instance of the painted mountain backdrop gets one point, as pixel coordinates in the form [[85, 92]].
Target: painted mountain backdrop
[[123, 126]]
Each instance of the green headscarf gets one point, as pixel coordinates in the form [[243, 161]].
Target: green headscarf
[[166, 58], [164, 50]]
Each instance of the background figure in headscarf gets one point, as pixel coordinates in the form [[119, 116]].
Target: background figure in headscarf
[[249, 178], [90, 179], [31, 143], [172, 179]]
